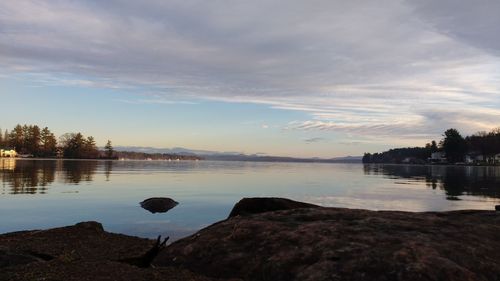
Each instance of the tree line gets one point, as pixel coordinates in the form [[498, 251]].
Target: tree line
[[41, 142], [454, 146]]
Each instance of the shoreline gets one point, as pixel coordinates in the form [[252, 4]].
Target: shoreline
[[438, 165], [254, 161]]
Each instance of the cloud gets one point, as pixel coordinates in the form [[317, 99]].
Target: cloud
[[390, 67], [157, 101], [474, 23], [313, 140]]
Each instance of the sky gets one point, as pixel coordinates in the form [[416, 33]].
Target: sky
[[318, 78]]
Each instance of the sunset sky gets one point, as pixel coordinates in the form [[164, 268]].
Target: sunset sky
[[294, 78]]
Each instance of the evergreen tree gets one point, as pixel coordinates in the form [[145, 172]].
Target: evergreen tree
[[108, 149], [73, 145], [26, 136], [16, 138], [48, 143], [32, 140], [454, 145], [90, 149]]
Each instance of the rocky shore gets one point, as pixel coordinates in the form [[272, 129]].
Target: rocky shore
[[271, 239]]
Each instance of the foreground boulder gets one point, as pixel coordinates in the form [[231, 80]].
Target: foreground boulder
[[85, 240], [343, 244], [158, 204], [80, 252], [248, 206]]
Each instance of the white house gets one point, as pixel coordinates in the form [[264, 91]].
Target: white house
[[497, 158], [438, 157], [474, 157], [8, 153]]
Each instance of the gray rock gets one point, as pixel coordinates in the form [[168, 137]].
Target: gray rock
[[158, 204]]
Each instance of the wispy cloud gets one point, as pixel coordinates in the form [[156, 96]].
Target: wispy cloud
[[392, 68], [313, 140], [156, 101]]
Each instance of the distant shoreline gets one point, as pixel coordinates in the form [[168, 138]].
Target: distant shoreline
[[435, 164], [257, 161], [92, 159], [196, 159]]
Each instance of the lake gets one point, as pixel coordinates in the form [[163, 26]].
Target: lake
[[38, 194]]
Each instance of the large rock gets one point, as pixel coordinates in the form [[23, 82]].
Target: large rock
[[83, 252], [158, 204], [248, 206], [85, 240], [343, 244]]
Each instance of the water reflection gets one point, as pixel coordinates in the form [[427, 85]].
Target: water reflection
[[76, 171], [35, 176], [454, 180], [67, 192]]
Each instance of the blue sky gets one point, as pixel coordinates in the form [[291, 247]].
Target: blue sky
[[319, 78]]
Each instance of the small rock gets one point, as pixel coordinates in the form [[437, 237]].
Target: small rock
[[158, 204], [497, 208]]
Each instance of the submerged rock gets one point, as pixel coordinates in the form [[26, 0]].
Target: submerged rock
[[158, 204], [248, 206]]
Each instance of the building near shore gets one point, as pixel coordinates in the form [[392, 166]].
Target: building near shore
[[8, 152], [474, 158], [496, 158], [438, 157]]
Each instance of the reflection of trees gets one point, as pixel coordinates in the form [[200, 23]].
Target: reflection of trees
[[454, 180], [77, 171], [28, 176], [108, 167], [34, 176]]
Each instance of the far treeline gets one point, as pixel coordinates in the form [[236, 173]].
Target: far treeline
[[31, 140], [481, 147]]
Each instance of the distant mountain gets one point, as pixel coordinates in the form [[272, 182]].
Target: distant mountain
[[174, 150], [348, 159], [236, 156], [259, 158]]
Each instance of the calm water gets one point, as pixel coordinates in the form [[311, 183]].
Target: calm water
[[44, 193]]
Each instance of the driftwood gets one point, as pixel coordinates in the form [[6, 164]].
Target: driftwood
[[145, 260]]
